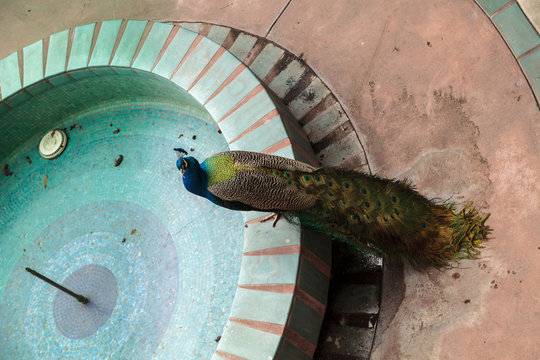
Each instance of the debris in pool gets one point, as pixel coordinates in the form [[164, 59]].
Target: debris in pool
[[118, 160], [217, 339], [219, 131], [28, 160], [194, 137], [6, 170], [110, 125], [191, 149], [45, 180], [116, 131], [133, 231], [124, 240], [75, 126], [179, 136]]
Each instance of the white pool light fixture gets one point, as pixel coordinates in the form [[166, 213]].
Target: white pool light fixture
[[53, 144]]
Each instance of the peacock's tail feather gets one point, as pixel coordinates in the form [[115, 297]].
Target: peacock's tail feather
[[387, 216]]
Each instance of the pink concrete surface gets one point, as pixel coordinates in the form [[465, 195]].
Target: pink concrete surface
[[437, 97]]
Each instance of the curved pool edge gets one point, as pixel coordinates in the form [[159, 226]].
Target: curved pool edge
[[285, 270]]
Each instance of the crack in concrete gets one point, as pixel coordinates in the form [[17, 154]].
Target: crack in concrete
[[277, 18]]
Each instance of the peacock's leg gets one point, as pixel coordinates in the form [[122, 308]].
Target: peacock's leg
[[275, 216]]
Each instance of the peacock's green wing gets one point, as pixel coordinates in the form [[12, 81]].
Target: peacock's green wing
[[256, 180]]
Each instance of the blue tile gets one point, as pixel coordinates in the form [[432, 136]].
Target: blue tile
[[105, 43], [260, 236], [531, 64], [10, 79], [517, 30], [57, 53], [80, 49], [248, 343], [129, 43], [33, 63], [195, 63], [152, 46], [175, 53], [491, 6], [272, 269], [247, 304]]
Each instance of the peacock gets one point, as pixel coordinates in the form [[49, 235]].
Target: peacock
[[378, 215]]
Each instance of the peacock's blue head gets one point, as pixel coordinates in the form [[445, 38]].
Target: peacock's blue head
[[187, 165]]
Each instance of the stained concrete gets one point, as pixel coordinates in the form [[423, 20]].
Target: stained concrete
[[437, 96]]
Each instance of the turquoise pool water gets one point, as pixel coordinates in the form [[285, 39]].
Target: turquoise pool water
[[163, 263]]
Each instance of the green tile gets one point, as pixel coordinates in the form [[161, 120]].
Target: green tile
[[80, 49], [248, 343], [266, 60], [305, 321], [57, 53], [193, 27], [248, 305], [105, 43], [262, 137], [531, 64], [260, 236], [38, 88], [309, 98], [272, 269], [33, 63], [232, 94], [319, 244], [491, 6], [517, 30], [242, 46], [288, 351], [245, 116], [214, 77], [218, 34], [195, 63], [287, 78], [17, 98], [10, 80], [175, 53], [313, 281], [129, 43], [152, 46]]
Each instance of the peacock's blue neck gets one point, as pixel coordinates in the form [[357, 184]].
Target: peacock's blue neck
[[196, 181]]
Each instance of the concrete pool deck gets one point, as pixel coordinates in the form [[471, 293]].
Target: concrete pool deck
[[437, 96]]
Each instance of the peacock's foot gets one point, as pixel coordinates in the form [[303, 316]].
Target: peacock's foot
[[275, 216]]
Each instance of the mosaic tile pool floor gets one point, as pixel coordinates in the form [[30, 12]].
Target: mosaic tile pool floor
[[87, 223]]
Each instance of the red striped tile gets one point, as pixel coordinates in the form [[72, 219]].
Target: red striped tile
[[170, 38], [186, 56], [20, 57], [503, 8], [310, 301], [282, 250], [229, 356], [70, 45], [271, 328], [248, 97], [118, 39], [142, 40], [316, 261], [299, 341], [265, 119], [97, 29], [277, 146], [211, 63], [227, 81], [529, 52], [312, 159], [45, 53], [277, 288]]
